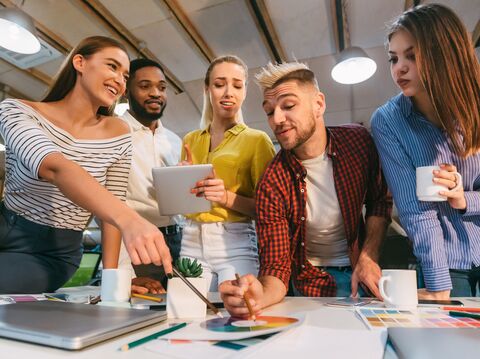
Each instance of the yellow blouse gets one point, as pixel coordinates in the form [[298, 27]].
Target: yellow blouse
[[240, 160]]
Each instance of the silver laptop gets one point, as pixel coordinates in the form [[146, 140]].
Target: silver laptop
[[435, 343], [69, 325], [173, 185]]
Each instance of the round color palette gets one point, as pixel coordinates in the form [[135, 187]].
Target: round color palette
[[239, 325]]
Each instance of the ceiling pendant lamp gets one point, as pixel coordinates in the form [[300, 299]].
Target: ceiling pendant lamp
[[18, 32], [353, 65]]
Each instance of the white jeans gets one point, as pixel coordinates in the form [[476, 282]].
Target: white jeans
[[223, 249]]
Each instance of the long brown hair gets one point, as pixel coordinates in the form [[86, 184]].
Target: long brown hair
[[449, 71], [207, 111], [67, 75]]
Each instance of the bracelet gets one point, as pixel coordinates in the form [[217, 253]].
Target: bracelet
[[226, 199]]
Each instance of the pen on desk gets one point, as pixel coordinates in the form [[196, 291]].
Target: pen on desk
[[454, 313], [246, 298], [195, 290], [462, 309], [141, 341], [148, 297]]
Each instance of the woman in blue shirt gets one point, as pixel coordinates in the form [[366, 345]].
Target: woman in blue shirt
[[435, 121]]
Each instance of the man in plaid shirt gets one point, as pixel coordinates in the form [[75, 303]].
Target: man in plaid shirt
[[309, 203]]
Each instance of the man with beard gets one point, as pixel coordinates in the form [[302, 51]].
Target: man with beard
[[310, 226], [153, 146]]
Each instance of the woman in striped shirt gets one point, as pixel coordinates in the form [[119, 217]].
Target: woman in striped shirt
[[435, 121], [59, 153]]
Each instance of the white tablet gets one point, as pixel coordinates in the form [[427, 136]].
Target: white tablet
[[173, 185]]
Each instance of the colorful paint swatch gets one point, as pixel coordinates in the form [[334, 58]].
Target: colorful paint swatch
[[231, 324], [422, 318]]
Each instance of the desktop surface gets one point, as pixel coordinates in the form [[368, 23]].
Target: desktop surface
[[323, 316]]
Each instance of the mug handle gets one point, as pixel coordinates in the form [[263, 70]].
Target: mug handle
[[459, 181], [381, 286]]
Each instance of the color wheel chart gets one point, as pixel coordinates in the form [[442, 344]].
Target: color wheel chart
[[376, 318], [238, 325]]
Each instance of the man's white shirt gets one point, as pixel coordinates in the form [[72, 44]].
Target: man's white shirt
[[150, 149]]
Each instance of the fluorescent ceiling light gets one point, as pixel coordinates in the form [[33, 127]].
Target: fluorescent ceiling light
[[18, 32], [353, 66]]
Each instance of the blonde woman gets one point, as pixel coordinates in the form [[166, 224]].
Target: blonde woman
[[224, 239]]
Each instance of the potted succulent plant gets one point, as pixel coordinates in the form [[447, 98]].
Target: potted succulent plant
[[182, 302]]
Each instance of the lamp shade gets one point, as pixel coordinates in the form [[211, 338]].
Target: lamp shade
[[353, 66], [18, 32]]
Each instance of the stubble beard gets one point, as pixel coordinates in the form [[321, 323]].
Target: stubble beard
[[302, 136], [140, 111]]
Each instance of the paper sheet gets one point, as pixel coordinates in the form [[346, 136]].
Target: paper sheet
[[206, 349], [308, 341], [197, 349]]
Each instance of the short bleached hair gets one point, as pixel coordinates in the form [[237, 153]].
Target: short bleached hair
[[272, 75]]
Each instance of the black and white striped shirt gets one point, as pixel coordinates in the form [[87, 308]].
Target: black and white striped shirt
[[29, 138]]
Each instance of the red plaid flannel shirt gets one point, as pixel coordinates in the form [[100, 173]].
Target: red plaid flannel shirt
[[281, 200]]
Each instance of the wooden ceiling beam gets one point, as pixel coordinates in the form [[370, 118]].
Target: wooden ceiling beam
[[263, 22], [33, 73], [339, 23], [100, 12], [476, 35], [186, 24], [411, 3], [37, 74]]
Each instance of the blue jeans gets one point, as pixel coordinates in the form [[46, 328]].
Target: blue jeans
[[343, 279], [465, 283]]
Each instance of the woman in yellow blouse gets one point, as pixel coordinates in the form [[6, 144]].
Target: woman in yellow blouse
[[224, 238]]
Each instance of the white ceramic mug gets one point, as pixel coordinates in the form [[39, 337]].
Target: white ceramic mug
[[116, 285], [427, 190], [398, 288]]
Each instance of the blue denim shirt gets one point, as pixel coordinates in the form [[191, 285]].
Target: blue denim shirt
[[442, 237]]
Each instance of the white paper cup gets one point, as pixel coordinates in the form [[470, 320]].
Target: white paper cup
[[116, 285]]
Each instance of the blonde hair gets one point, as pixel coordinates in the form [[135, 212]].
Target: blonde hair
[[207, 110], [272, 75], [449, 71]]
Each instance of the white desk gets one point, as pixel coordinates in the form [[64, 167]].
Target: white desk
[[327, 317]]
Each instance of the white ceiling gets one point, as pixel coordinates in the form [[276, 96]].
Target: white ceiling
[[304, 28]]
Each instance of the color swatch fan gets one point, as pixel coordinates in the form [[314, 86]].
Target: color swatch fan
[[263, 325], [234, 328]]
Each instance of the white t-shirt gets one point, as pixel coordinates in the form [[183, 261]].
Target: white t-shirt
[[326, 243]]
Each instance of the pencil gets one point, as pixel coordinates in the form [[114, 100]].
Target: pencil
[[464, 314], [462, 309], [246, 298], [141, 341], [195, 290], [148, 297]]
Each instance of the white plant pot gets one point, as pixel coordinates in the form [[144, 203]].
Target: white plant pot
[[182, 302]]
